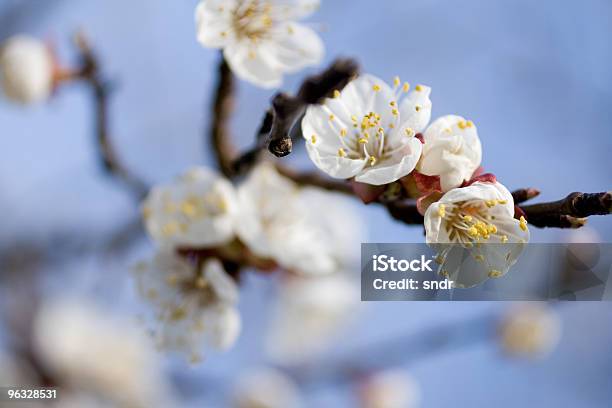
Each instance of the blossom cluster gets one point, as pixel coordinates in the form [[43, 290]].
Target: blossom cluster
[[376, 134], [205, 228]]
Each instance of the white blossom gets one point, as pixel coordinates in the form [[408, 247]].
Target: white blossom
[[530, 330], [390, 389], [26, 70], [197, 210], [260, 39], [452, 151], [278, 220], [96, 353], [368, 130], [194, 308], [477, 220], [266, 388], [309, 313]]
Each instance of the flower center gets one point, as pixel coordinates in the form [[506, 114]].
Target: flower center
[[252, 19], [469, 222]]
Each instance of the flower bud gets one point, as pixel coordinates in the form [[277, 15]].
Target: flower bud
[[26, 70]]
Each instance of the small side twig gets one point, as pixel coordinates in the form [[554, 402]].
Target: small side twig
[[524, 194], [90, 72], [279, 125]]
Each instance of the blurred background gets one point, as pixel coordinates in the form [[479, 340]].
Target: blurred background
[[533, 76]]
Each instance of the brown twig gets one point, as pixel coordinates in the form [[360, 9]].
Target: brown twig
[[90, 73], [280, 123], [314, 179], [570, 212], [222, 107]]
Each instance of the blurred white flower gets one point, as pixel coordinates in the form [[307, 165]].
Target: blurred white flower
[[477, 219], [390, 389], [98, 354], [266, 388], [309, 313], [26, 70], [368, 130], [195, 308], [197, 210], [452, 151], [530, 330], [280, 221], [260, 39]]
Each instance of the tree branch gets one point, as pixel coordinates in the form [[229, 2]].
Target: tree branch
[[90, 73], [222, 107], [570, 212]]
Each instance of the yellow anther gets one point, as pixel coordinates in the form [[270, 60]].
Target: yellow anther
[[523, 223], [439, 259], [343, 132], [467, 218], [504, 239], [417, 108], [376, 88], [396, 81], [442, 210], [362, 140], [479, 258], [490, 203], [313, 139], [406, 87], [189, 209], [170, 228], [494, 273], [341, 152], [472, 231], [372, 160], [469, 124], [395, 112], [502, 202], [392, 103], [201, 283], [462, 124], [354, 118], [332, 117], [418, 88], [391, 126], [492, 229], [381, 130], [336, 93], [410, 132]]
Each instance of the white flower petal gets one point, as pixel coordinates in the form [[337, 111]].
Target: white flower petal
[[335, 166], [254, 63], [401, 163], [296, 46], [214, 23], [415, 108], [223, 325], [224, 286]]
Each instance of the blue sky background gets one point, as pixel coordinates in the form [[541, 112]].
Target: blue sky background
[[533, 76]]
